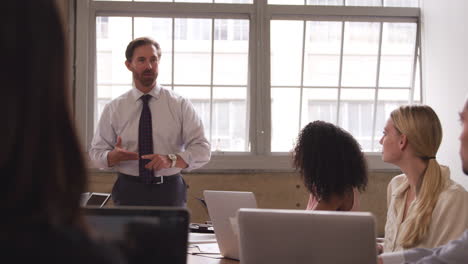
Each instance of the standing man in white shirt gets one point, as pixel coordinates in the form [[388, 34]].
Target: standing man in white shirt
[[454, 252], [149, 134]]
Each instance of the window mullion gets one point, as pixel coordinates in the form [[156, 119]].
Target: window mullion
[[415, 59], [338, 103], [262, 81], [133, 27], [377, 81], [173, 53], [211, 79], [84, 109], [301, 91]]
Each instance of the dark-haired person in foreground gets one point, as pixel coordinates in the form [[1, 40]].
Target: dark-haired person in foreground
[[454, 252], [42, 170], [149, 134], [332, 166]]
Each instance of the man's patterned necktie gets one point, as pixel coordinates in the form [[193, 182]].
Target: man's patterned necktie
[[145, 140]]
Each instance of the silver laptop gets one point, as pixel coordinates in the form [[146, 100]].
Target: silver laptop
[[306, 237], [222, 208]]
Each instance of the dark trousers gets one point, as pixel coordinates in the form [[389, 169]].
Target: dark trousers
[[129, 190]]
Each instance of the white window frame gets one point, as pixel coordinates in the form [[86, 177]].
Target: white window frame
[[260, 158]]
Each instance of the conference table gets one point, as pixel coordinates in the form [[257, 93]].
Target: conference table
[[194, 259]]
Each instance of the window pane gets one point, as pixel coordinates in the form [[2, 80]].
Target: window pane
[[319, 104], [150, 0], [322, 53], [360, 50], [325, 2], [112, 77], [159, 29], [357, 113], [388, 100], [398, 45], [402, 3], [231, 51], [200, 98], [194, 1], [364, 2], [198, 1], [230, 119], [286, 52], [284, 118], [234, 1], [192, 52], [286, 2]]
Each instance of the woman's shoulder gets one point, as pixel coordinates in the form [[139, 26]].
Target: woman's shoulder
[[397, 181], [454, 189]]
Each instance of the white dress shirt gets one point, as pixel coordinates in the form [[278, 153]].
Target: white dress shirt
[[177, 129], [449, 217]]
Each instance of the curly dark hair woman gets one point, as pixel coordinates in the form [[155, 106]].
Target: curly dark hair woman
[[332, 166]]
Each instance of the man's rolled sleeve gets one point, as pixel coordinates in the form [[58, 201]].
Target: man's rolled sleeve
[[197, 148], [103, 141]]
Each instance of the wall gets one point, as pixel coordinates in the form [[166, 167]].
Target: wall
[[272, 190], [445, 72]]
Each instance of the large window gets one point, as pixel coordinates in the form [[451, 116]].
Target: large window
[[258, 71], [205, 60], [351, 74]]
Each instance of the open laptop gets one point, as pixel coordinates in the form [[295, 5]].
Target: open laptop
[[222, 208], [306, 237], [147, 234]]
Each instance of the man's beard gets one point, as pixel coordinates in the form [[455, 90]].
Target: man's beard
[[145, 80]]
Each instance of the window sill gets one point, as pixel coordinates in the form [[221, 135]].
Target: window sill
[[276, 162]]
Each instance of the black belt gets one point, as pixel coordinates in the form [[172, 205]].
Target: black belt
[[156, 179]]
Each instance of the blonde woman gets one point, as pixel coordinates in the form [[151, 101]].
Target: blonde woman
[[425, 208]]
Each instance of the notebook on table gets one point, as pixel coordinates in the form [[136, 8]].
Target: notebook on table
[[222, 209], [147, 234], [306, 237]]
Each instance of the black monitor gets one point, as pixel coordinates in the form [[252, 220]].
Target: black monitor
[[145, 234]]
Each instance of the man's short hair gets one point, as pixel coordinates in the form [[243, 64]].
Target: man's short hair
[[138, 42]]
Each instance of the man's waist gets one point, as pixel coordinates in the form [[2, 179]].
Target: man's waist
[[133, 171], [155, 176], [157, 179]]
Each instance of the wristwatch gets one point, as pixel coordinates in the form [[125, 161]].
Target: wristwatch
[[173, 158]]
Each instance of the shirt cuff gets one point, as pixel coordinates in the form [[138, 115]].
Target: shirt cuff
[[187, 158], [101, 162], [393, 258]]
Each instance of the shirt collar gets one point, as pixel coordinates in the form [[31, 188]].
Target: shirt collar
[[400, 190], [155, 92]]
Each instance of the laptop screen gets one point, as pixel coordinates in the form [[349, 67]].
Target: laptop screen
[[146, 234]]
